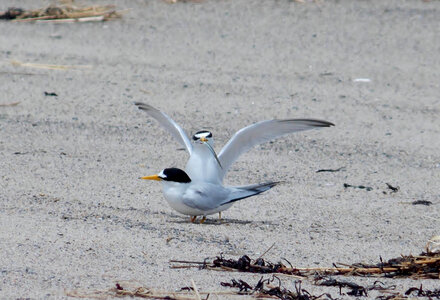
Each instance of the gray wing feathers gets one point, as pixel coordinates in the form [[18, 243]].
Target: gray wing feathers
[[260, 133], [172, 127], [243, 192], [210, 196], [205, 196]]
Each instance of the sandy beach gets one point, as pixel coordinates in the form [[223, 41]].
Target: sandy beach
[[74, 217]]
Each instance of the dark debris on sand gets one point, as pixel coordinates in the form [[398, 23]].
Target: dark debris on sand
[[273, 287], [423, 266]]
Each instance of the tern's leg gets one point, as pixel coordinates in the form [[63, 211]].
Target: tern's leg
[[220, 215], [203, 220], [193, 219]]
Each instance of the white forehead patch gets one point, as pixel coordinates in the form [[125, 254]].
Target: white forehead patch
[[202, 134], [162, 175]]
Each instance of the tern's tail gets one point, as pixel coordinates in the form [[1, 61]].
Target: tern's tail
[[242, 192]]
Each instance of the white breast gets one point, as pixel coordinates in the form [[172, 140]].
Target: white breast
[[173, 192], [202, 165]]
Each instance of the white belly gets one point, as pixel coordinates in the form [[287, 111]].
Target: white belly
[[173, 195]]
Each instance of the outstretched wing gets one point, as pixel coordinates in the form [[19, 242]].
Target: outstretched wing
[[176, 131], [262, 132]]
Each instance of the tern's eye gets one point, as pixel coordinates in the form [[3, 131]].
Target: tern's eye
[[195, 138], [209, 135]]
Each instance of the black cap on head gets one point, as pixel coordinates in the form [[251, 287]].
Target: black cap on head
[[175, 175], [202, 133]]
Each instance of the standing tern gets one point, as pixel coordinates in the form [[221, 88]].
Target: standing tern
[[202, 198], [205, 167]]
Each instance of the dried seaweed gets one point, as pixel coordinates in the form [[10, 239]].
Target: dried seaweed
[[271, 287], [422, 202], [265, 288], [128, 289], [243, 264], [362, 187], [356, 290], [394, 189], [62, 13], [331, 170], [424, 266], [420, 292], [11, 14]]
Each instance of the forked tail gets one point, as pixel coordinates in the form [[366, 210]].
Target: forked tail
[[246, 191]]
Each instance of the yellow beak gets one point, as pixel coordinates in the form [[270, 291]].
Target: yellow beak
[[203, 139], [152, 177]]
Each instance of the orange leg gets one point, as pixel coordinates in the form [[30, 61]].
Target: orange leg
[[193, 219], [203, 220]]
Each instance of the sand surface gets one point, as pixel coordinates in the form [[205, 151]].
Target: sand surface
[[73, 214]]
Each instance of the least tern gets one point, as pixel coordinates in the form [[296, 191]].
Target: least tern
[[203, 164], [199, 191], [202, 198]]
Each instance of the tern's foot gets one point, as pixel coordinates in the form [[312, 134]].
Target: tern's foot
[[203, 220], [193, 219]]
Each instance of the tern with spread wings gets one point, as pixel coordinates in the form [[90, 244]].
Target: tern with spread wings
[[199, 190]]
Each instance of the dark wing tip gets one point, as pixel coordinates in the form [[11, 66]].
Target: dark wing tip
[[140, 104], [144, 106], [271, 183], [326, 123], [310, 122], [262, 187]]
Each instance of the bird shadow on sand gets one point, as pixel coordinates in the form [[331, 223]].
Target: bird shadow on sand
[[214, 221]]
